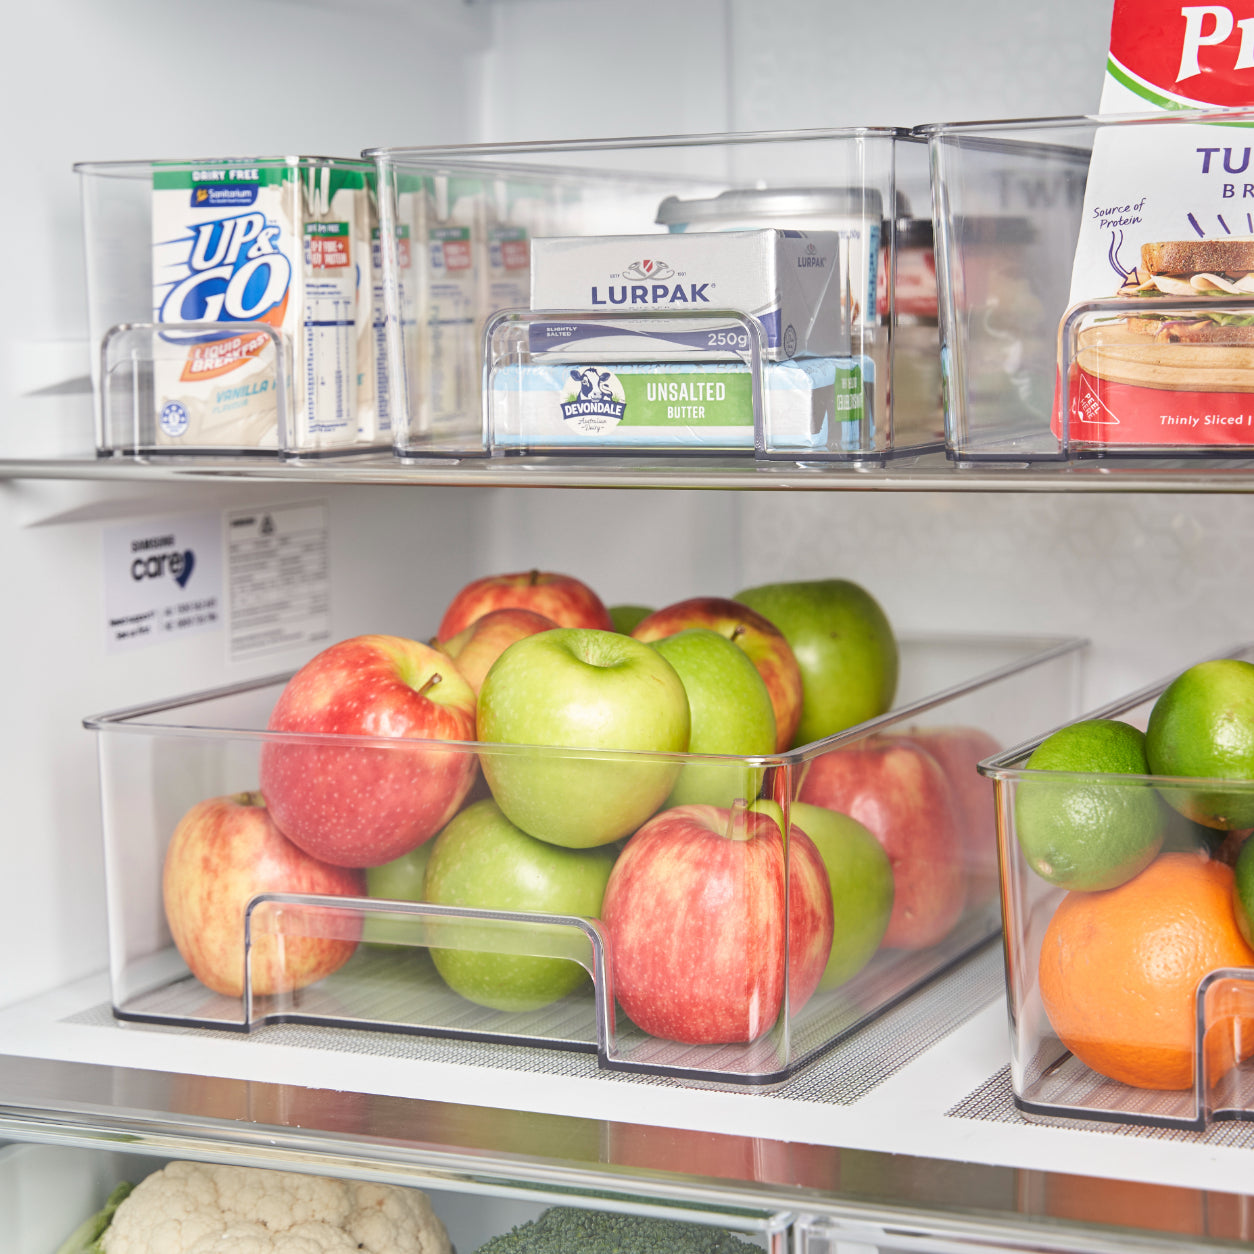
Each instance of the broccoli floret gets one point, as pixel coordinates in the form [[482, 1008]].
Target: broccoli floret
[[564, 1230]]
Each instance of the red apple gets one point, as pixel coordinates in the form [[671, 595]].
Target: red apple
[[222, 854], [563, 598], [900, 793], [357, 805], [695, 915], [758, 637], [476, 647], [958, 750]]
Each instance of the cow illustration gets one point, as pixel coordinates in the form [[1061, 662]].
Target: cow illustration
[[593, 384]]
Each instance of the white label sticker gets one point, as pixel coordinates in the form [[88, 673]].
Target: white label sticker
[[163, 579], [279, 587]]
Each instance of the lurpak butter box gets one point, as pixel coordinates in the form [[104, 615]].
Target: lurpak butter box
[[790, 281]]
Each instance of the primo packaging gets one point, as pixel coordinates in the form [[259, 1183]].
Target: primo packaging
[[1158, 347]]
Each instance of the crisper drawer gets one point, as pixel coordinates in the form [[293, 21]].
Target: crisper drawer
[[46, 1191], [757, 1001]]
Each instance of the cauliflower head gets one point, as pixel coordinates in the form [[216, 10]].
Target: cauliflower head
[[198, 1208]]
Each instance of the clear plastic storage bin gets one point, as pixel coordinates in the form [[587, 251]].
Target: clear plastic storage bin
[[1162, 1071], [506, 339], [751, 1001], [235, 307], [1032, 376]]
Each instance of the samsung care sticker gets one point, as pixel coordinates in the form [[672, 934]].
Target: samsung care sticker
[[163, 579]]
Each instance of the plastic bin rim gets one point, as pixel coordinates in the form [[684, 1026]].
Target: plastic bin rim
[[1000, 765], [131, 168], [1038, 650], [929, 130], [612, 143]]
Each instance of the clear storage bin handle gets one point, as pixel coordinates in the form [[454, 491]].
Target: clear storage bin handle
[[129, 421], [273, 922]]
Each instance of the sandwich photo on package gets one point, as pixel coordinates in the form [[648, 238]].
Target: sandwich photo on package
[[1157, 349]]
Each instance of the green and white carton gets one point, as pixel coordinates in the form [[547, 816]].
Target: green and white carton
[[280, 242]]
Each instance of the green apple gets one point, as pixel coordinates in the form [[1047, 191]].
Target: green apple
[[625, 617], [861, 879], [582, 689], [398, 880], [481, 859], [844, 645], [731, 713]]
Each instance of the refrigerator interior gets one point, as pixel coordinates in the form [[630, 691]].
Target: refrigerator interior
[[1155, 581]]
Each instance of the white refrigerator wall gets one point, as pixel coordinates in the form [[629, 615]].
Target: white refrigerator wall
[[1155, 580], [168, 78]]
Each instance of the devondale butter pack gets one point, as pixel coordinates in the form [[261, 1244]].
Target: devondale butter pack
[[1166, 246]]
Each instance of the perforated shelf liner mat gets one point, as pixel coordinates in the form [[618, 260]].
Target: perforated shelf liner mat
[[847, 1072], [993, 1102]]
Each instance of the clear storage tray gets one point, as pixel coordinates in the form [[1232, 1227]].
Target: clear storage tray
[[1031, 376], [458, 225], [964, 693], [1047, 1078], [235, 307]]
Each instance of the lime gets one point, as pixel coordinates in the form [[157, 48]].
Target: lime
[[861, 879], [1243, 891], [1202, 727], [1089, 833]]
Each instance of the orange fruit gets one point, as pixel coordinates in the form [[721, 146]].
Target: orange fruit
[[1119, 969]]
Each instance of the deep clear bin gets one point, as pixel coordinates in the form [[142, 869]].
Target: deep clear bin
[[235, 307], [959, 698], [1033, 374], [470, 253], [1204, 1063]]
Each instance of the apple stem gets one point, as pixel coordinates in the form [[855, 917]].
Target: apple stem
[[248, 799], [738, 630], [431, 683], [535, 578], [738, 820]]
